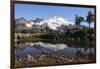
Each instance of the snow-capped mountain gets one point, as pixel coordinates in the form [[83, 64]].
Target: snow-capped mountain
[[22, 23], [54, 23]]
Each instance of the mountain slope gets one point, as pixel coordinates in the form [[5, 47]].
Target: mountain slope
[[54, 23]]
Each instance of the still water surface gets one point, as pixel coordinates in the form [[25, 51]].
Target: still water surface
[[55, 49]]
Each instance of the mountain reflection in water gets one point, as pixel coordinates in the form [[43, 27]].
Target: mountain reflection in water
[[55, 49]]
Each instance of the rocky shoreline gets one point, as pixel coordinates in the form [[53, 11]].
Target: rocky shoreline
[[48, 59]]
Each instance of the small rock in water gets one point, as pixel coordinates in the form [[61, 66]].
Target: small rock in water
[[61, 58], [53, 56], [30, 58], [43, 55], [40, 58], [57, 61], [65, 59], [20, 59]]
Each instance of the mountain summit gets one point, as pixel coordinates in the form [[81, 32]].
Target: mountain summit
[[56, 22]]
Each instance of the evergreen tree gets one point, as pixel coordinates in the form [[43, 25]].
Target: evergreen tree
[[90, 18]]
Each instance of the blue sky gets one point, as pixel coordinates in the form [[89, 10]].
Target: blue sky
[[31, 12]]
